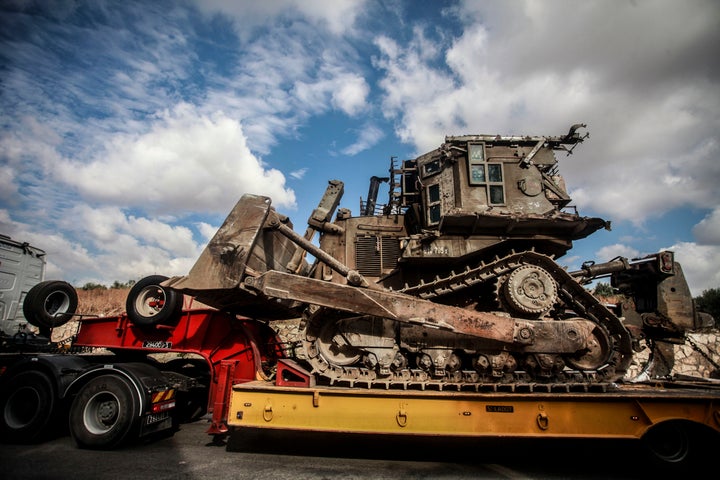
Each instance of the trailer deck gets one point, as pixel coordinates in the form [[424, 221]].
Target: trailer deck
[[618, 411]]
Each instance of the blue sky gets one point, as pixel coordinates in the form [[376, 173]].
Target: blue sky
[[130, 129]]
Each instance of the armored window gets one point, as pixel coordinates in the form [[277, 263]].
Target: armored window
[[431, 168], [487, 175], [433, 206]]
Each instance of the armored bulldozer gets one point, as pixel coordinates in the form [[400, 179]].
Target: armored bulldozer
[[453, 281]]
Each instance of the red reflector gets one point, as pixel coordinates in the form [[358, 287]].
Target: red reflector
[[161, 407]]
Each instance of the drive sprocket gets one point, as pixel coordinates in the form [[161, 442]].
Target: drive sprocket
[[529, 291]]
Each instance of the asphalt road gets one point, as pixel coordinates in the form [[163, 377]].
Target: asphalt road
[[190, 454]]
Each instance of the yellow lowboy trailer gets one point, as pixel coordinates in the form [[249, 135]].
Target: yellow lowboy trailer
[[622, 414], [677, 421]]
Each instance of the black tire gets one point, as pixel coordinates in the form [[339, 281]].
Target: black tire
[[50, 304], [27, 407], [677, 447], [150, 304], [104, 413]]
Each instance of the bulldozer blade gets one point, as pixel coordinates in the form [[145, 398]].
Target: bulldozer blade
[[223, 263]]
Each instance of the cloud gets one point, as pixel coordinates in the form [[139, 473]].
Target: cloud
[[350, 96], [206, 230], [186, 162], [8, 186], [707, 232], [337, 16], [419, 96], [109, 229], [280, 80], [298, 174], [702, 261], [344, 91], [368, 137], [609, 252]]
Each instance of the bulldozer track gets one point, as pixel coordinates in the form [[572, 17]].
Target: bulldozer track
[[571, 294]]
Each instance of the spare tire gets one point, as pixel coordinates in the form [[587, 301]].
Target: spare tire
[[150, 304], [50, 304]]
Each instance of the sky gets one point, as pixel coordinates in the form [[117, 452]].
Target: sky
[[129, 129]]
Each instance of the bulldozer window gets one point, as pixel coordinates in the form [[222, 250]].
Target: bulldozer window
[[433, 196], [485, 174], [431, 168]]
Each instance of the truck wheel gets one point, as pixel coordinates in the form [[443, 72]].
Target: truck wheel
[[27, 405], [50, 304], [103, 414], [150, 304]]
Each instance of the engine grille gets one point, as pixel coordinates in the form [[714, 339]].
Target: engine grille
[[376, 254]]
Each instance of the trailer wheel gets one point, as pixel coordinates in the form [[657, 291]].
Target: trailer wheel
[[50, 304], [150, 304], [675, 446], [104, 413], [27, 405]]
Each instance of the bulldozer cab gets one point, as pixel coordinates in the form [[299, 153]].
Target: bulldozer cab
[[499, 176], [485, 194]]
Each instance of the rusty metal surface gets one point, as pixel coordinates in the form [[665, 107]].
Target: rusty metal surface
[[222, 264], [535, 336]]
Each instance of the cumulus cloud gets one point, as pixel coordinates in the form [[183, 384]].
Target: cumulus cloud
[[707, 232], [420, 96], [104, 244], [367, 138], [702, 261], [206, 230], [350, 96], [112, 230], [346, 92], [610, 252], [186, 162]]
